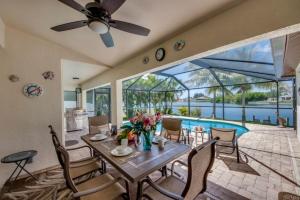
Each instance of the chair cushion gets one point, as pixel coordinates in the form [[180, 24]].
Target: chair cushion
[[171, 183], [113, 192], [76, 172]]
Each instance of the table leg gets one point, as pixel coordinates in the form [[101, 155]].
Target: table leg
[[133, 189], [14, 170], [23, 168]]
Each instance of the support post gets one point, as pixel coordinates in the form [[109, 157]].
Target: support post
[[126, 102], [294, 104], [116, 103], [223, 103], [277, 102], [189, 103]]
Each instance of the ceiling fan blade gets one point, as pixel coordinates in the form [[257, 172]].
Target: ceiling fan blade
[[111, 5], [107, 39], [130, 28], [76, 6], [69, 26]]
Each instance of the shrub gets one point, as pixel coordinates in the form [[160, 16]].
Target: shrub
[[183, 111], [196, 112]]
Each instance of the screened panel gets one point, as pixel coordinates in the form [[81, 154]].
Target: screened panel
[[126, 84], [185, 67], [257, 52], [157, 101], [242, 66], [169, 85], [231, 78], [147, 82], [198, 79]]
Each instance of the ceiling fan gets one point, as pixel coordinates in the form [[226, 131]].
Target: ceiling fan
[[99, 19]]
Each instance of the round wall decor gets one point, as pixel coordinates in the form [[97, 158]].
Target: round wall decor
[[145, 59], [179, 45], [160, 54], [48, 75], [32, 90]]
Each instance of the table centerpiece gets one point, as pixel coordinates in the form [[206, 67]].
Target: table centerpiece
[[143, 125]]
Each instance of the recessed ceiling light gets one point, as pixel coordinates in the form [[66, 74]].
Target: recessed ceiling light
[[75, 78]]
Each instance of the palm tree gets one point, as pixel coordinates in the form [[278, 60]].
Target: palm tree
[[204, 77], [242, 89]]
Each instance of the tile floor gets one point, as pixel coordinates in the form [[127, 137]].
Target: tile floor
[[273, 165]]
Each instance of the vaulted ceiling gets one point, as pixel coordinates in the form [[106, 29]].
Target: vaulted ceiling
[[164, 17]]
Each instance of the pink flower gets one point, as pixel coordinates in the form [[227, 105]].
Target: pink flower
[[146, 121]]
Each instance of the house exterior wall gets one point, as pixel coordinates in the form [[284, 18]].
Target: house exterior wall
[[23, 120]]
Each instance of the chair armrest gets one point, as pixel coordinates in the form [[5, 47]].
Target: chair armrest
[[96, 189], [81, 147], [82, 163], [160, 189], [177, 161]]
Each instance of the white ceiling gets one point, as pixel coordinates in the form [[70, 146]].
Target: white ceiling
[[81, 70], [163, 17]]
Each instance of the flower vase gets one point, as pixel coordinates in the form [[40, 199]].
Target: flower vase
[[147, 140], [137, 140]]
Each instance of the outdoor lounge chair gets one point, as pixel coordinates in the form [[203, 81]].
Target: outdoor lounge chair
[[171, 129], [81, 167], [200, 161], [98, 124], [227, 142], [99, 187]]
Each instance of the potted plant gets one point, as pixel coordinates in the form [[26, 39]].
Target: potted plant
[[143, 125]]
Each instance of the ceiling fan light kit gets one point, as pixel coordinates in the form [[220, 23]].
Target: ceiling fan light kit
[[99, 27], [99, 19]]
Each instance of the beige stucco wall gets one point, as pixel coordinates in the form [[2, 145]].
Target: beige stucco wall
[[23, 120], [248, 22], [2, 33]]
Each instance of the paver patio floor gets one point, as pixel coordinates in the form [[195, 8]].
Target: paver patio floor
[[273, 165]]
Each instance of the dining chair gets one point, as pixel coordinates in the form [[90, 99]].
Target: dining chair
[[98, 124], [199, 130], [200, 161], [171, 129], [81, 167], [228, 143], [99, 187]]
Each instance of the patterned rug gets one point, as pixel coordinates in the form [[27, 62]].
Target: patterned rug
[[50, 185]]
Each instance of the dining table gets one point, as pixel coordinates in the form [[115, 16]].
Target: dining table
[[140, 163]]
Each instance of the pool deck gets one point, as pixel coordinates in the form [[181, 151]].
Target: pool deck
[[273, 165]]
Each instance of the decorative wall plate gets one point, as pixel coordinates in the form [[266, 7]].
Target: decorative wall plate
[[48, 75], [160, 54], [145, 59], [13, 78], [32, 90], [179, 45]]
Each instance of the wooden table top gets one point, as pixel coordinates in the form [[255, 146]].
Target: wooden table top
[[140, 163]]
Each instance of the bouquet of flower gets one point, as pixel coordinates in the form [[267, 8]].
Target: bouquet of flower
[[142, 123]]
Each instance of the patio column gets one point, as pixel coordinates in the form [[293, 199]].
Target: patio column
[[116, 103]]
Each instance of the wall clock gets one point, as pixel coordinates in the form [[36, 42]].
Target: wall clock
[[160, 54], [32, 90]]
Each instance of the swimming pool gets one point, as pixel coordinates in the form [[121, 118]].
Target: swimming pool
[[207, 124]]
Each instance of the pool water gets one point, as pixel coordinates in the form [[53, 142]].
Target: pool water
[[207, 124]]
